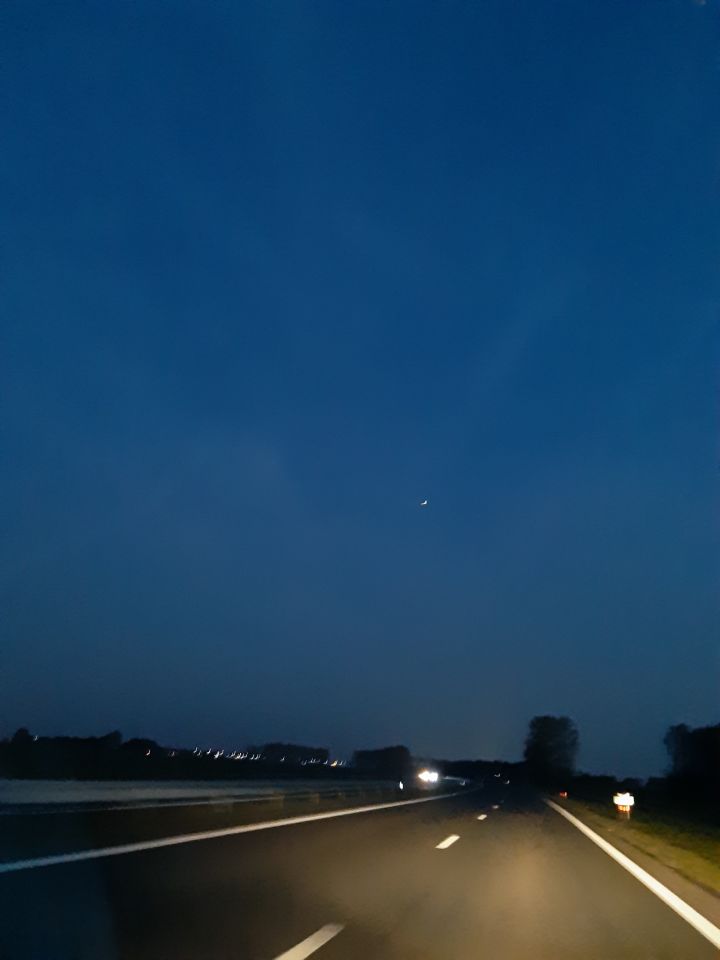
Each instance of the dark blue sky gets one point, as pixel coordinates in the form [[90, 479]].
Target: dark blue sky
[[272, 273]]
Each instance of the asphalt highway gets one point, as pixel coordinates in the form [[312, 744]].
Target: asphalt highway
[[489, 874]]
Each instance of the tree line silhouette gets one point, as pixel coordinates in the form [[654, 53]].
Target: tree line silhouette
[[110, 757], [694, 757], [691, 782], [551, 747]]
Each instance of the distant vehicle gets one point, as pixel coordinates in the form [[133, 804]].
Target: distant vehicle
[[429, 776]]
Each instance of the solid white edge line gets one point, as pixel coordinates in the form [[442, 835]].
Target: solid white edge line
[[312, 943], [49, 861], [448, 841], [684, 910]]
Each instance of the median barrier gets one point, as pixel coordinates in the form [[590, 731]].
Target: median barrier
[[26, 835]]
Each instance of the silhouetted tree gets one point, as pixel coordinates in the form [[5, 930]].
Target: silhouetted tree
[[21, 737], [694, 753], [390, 762], [676, 742], [550, 749], [140, 747], [111, 741]]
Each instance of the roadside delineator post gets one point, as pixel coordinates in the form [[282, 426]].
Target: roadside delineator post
[[624, 802]]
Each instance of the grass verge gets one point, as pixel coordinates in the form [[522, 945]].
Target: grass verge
[[692, 849]]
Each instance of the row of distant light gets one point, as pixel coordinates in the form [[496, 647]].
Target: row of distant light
[[235, 755], [240, 755]]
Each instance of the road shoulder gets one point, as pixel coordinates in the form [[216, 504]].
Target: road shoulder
[[705, 902]]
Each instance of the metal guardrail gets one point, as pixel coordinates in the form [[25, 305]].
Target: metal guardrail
[[217, 800]]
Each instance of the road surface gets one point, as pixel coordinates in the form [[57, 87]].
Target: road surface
[[430, 881]]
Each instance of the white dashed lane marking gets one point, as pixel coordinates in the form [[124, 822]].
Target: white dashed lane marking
[[448, 841], [312, 943]]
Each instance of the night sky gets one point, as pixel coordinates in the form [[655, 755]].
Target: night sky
[[273, 273]]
